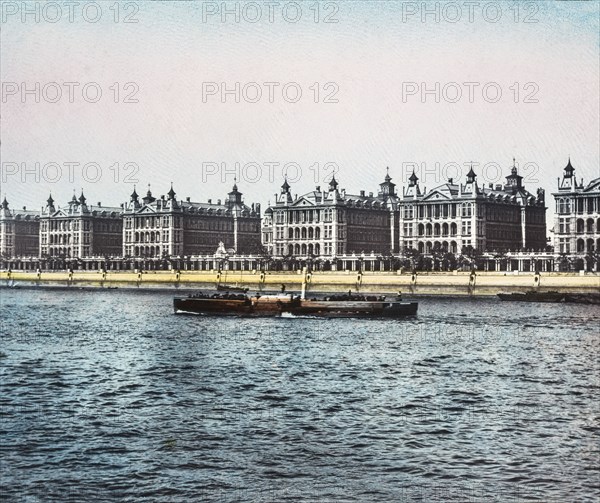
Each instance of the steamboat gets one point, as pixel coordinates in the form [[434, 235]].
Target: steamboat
[[533, 296], [282, 304]]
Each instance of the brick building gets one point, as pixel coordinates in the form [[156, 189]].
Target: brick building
[[19, 232], [164, 226], [332, 222], [79, 230], [453, 216]]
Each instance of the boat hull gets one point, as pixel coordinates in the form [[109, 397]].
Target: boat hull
[[351, 309], [533, 297], [288, 305], [229, 307], [583, 298]]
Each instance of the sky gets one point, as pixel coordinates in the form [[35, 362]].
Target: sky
[[322, 87]]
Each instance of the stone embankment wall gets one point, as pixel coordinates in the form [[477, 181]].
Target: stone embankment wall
[[435, 283]]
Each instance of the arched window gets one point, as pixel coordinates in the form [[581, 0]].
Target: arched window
[[290, 233], [590, 245], [317, 247], [428, 229], [297, 233], [303, 232], [444, 229], [318, 231], [421, 229], [311, 233], [580, 225], [590, 226], [303, 249]]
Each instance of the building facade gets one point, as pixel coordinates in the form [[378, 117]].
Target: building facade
[[331, 222], [19, 232], [454, 216], [577, 215], [165, 226], [79, 230]]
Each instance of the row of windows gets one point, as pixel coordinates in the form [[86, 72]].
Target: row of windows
[[107, 226], [21, 229], [64, 225], [437, 229], [588, 226], [64, 239], [64, 252], [378, 219], [581, 204], [439, 210]]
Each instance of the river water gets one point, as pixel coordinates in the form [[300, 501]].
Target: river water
[[109, 396]]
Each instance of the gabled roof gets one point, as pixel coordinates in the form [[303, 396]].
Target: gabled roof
[[60, 213], [146, 208], [593, 186], [446, 191], [306, 200]]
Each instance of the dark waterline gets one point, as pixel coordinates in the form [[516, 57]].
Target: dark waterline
[[108, 396]]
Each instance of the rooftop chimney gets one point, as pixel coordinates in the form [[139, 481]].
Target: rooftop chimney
[[188, 199], [318, 189], [210, 201], [370, 194], [362, 193], [219, 202], [99, 204], [24, 208]]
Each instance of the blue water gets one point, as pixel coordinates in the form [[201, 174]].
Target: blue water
[[108, 396]]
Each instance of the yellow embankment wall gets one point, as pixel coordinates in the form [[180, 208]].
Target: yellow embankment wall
[[436, 283]]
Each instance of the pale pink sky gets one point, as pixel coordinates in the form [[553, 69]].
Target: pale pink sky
[[369, 54]]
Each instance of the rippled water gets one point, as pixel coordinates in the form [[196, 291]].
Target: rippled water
[[108, 396]]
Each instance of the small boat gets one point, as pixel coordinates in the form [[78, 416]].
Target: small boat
[[533, 296], [292, 305], [287, 304], [229, 288], [583, 298]]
